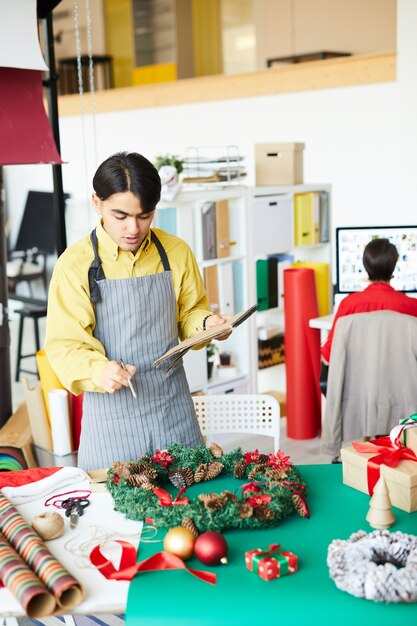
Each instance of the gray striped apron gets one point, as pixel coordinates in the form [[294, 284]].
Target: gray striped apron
[[136, 322]]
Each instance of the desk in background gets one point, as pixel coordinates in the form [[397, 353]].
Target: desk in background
[[241, 598]]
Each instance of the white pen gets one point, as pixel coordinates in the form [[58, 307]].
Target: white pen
[[128, 380]]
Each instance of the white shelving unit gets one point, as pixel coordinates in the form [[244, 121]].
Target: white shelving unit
[[261, 223]]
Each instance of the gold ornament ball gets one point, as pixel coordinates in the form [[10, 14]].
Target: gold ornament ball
[[180, 541]]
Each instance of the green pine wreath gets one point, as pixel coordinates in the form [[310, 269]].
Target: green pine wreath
[[274, 490]]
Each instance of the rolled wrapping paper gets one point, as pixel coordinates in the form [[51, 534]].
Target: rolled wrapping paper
[[38, 418], [302, 354], [11, 459], [23, 583], [48, 377], [322, 276], [64, 587], [77, 414], [60, 421]]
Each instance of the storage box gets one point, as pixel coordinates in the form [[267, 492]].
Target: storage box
[[401, 480], [279, 163], [46, 458], [271, 351]]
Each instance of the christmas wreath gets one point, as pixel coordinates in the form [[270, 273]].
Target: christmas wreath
[[273, 492], [381, 566]]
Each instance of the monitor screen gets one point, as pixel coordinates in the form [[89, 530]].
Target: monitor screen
[[350, 244]]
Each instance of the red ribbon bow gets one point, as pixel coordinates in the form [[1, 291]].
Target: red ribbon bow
[[386, 454], [165, 498], [129, 567], [273, 549]]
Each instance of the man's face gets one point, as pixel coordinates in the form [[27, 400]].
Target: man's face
[[123, 219]]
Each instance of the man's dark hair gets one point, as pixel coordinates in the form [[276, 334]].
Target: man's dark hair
[[129, 171], [380, 258]]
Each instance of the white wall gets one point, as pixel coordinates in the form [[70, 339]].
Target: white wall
[[357, 139]]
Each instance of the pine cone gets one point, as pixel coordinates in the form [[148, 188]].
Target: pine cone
[[239, 469], [188, 523], [201, 472], [216, 450], [264, 512], [136, 480], [176, 478], [212, 501], [276, 474], [263, 458], [214, 469], [188, 475], [147, 486], [245, 511], [260, 468], [120, 469], [230, 496], [300, 505]]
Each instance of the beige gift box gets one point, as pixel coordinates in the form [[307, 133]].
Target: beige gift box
[[409, 438], [401, 480]]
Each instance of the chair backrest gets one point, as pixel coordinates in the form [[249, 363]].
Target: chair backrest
[[372, 382], [255, 414]]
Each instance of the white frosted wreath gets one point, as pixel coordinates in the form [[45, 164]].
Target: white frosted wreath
[[381, 566]]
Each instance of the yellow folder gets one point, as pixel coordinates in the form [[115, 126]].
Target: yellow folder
[[322, 276]]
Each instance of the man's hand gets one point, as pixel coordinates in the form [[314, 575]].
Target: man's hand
[[114, 377], [216, 320]]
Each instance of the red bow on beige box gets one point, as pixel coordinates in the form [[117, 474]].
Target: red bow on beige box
[[386, 453]]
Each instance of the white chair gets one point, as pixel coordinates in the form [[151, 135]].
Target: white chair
[[257, 414]]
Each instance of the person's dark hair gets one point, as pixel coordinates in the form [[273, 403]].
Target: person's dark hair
[[129, 171], [380, 258]]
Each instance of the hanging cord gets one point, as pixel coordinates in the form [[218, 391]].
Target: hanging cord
[[81, 93], [91, 77]]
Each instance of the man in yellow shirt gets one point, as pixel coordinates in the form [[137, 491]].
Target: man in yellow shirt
[[119, 299]]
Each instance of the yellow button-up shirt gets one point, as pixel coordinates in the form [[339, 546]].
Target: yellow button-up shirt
[[77, 357]]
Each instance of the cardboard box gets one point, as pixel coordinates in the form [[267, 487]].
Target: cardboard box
[[401, 480], [409, 438], [279, 163], [16, 433]]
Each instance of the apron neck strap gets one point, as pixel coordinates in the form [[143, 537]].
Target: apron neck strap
[[95, 271], [161, 251]]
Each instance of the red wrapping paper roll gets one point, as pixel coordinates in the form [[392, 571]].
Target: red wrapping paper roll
[[77, 414], [64, 587], [302, 354], [17, 576]]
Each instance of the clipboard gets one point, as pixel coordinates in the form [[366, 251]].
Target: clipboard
[[204, 337]]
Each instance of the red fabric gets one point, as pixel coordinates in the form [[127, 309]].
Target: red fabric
[[376, 297], [25, 477], [26, 134]]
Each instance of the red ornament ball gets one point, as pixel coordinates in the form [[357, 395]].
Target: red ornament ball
[[211, 548]]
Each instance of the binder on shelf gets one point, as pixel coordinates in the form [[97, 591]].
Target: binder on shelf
[[272, 282], [226, 292], [209, 230], [306, 218], [262, 284], [284, 261], [212, 287], [222, 228], [324, 217]]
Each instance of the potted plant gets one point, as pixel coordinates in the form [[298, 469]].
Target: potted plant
[[169, 159]]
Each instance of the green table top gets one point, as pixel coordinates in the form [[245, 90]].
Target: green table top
[[306, 598]]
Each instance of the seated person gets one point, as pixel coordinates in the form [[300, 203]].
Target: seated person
[[379, 259]]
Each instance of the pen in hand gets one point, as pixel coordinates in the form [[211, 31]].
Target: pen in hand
[[128, 380]]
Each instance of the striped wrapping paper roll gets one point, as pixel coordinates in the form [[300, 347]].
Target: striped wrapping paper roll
[[23, 583], [66, 590]]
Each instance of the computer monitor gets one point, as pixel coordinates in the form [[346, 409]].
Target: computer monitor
[[350, 243]]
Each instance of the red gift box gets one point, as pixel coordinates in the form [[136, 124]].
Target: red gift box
[[271, 563]]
